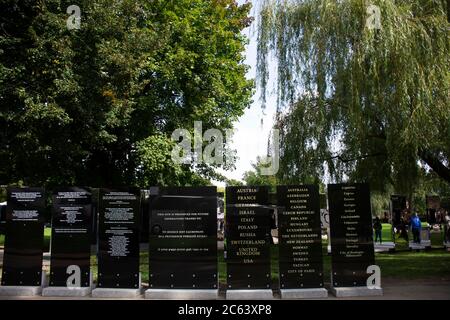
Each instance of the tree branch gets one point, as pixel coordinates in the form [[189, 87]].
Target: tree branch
[[434, 163], [339, 157]]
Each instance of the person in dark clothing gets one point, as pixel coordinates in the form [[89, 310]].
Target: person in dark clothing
[[447, 227], [403, 230], [416, 226], [377, 227]]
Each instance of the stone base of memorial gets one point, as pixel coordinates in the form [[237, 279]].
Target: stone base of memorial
[[384, 246], [117, 292], [24, 291], [424, 244], [182, 294], [254, 294], [345, 292], [68, 291], [312, 293]]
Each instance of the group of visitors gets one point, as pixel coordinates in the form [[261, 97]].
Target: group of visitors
[[410, 221], [441, 216], [413, 222]]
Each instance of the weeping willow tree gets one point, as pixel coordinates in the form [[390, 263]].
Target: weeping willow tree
[[358, 102]]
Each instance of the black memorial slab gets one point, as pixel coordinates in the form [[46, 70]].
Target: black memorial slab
[[300, 240], [24, 239], [183, 238], [352, 248], [323, 201], [398, 204], [247, 232], [71, 235], [118, 256], [433, 204]]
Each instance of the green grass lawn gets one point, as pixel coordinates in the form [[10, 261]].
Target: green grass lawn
[[386, 232], [432, 265], [47, 237]]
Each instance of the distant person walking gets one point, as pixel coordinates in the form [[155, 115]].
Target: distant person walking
[[416, 226], [377, 226]]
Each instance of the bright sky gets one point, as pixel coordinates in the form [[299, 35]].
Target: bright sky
[[251, 135]]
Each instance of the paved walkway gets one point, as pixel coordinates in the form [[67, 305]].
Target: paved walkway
[[411, 290], [398, 290]]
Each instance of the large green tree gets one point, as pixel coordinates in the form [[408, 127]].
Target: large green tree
[[97, 105], [254, 177], [367, 104]]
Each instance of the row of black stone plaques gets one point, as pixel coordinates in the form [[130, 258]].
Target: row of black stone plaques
[[183, 237]]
